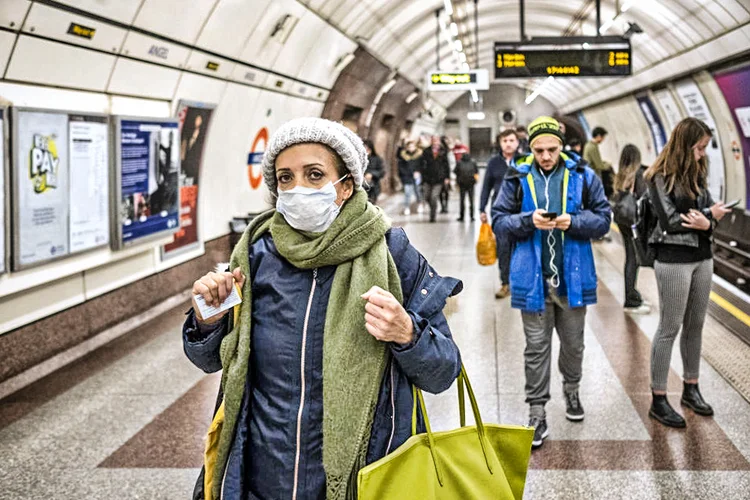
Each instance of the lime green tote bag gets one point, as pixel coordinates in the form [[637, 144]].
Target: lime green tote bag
[[483, 461]]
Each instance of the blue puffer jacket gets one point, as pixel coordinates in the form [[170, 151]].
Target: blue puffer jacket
[[262, 460], [583, 198]]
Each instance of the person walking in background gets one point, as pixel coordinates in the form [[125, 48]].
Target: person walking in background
[[448, 144], [677, 186], [374, 173], [574, 145], [523, 140], [627, 190], [593, 157], [409, 163], [497, 167], [435, 173], [467, 174], [551, 206]]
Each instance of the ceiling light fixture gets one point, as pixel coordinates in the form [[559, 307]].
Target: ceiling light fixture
[[454, 29], [448, 7], [539, 89], [474, 95], [411, 97], [475, 115], [459, 46]]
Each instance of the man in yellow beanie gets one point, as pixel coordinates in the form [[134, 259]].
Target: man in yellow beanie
[[551, 206]]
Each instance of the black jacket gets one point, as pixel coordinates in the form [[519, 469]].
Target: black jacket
[[408, 163], [434, 169], [668, 207], [465, 171], [375, 168]]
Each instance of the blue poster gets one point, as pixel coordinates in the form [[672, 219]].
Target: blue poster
[[150, 178], [654, 122]]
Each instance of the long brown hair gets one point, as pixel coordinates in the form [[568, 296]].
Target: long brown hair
[[677, 161], [630, 162]]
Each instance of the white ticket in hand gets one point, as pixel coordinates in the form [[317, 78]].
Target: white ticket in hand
[[208, 311]]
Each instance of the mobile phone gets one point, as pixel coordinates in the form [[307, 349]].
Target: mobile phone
[[550, 215], [732, 204]]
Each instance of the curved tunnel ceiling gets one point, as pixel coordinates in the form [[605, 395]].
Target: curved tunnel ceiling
[[402, 34]]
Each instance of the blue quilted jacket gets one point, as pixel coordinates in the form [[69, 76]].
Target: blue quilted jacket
[[269, 451], [584, 199]]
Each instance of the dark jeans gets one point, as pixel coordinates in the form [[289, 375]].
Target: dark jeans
[[431, 193], [444, 198], [503, 259], [632, 296], [467, 192]]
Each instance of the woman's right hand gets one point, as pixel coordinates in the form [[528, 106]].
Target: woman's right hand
[[695, 220], [215, 288], [718, 211]]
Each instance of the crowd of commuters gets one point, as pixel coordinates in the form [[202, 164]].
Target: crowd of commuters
[[549, 202]]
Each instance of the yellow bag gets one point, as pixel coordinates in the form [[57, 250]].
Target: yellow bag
[[486, 246], [480, 461]]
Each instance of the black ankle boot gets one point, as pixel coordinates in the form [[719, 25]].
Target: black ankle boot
[[662, 411], [692, 398]]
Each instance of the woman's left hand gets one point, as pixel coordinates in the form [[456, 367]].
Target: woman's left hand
[[696, 220], [385, 318]]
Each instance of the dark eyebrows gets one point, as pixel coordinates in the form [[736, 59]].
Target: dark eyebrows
[[307, 166]]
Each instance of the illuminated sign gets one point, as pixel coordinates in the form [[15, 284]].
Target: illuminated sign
[[466, 80], [540, 61], [81, 31], [213, 66]]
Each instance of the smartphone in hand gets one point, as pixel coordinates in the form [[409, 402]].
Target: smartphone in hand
[[550, 215], [732, 204]]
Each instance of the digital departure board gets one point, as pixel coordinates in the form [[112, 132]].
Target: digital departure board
[[477, 79], [530, 61]]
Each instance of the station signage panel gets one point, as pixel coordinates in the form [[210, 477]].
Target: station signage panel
[[477, 79], [147, 179], [525, 61], [60, 184], [195, 120]]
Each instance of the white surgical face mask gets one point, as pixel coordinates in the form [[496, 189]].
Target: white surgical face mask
[[309, 209]]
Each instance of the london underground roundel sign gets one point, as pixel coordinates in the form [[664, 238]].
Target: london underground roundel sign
[[255, 157]]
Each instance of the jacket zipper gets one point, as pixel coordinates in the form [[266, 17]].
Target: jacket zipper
[[393, 413], [302, 393]]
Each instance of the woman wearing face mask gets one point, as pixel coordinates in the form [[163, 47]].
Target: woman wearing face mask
[[684, 262], [340, 315]]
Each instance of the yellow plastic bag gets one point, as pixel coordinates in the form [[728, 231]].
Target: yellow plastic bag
[[486, 246]]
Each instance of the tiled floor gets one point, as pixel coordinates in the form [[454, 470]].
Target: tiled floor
[[128, 420]]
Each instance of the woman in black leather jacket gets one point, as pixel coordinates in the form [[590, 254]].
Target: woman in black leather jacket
[[684, 262]]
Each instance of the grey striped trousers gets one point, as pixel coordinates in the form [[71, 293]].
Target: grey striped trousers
[[684, 291]]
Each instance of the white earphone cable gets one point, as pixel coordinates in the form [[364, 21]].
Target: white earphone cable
[[551, 240]]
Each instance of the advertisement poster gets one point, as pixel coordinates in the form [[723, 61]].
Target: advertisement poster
[[2, 191], [654, 123], [696, 106], [149, 169], [41, 187], [672, 115], [735, 86], [194, 119], [89, 182]]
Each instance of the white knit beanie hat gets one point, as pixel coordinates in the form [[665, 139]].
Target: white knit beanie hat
[[346, 143]]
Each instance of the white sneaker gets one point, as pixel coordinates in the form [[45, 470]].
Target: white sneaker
[[641, 309], [407, 211], [420, 208]]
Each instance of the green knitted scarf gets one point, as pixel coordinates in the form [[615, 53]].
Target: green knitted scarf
[[353, 360]]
